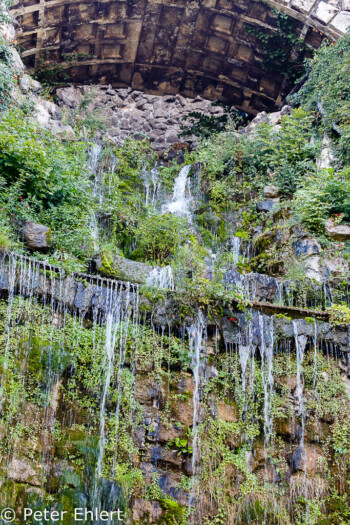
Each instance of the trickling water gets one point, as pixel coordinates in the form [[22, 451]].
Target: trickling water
[[197, 338], [315, 353], [300, 344], [180, 202], [266, 350], [94, 157], [236, 249], [161, 278], [152, 186], [94, 231]]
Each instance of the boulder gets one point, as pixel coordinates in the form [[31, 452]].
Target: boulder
[[266, 206], [28, 83], [70, 96], [23, 472], [337, 266], [36, 236], [306, 247], [271, 191], [339, 232], [118, 267], [63, 132]]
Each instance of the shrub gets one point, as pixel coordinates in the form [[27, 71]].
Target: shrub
[[327, 91], [339, 314], [322, 195], [49, 169], [160, 235]]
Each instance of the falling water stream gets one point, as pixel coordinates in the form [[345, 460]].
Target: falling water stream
[[181, 199], [197, 338]]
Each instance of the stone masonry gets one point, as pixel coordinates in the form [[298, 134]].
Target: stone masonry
[[186, 47]]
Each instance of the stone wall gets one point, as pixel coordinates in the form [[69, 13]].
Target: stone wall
[[160, 47], [133, 113]]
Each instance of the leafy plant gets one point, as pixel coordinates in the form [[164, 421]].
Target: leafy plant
[[181, 445], [158, 236], [202, 125], [339, 314]]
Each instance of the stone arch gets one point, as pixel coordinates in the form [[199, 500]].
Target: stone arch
[[191, 47]]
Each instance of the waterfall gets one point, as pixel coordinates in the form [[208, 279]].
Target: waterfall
[[41, 289], [152, 186], [236, 249], [266, 350], [180, 203], [197, 339], [93, 225], [162, 278], [300, 344]]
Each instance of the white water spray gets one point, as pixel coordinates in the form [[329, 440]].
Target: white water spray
[[180, 203]]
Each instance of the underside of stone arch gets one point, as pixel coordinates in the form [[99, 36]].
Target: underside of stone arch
[[201, 47]]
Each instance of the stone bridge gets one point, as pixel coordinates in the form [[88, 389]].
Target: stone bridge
[[191, 47]]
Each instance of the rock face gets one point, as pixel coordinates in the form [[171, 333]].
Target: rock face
[[36, 236], [123, 269], [306, 247], [132, 113], [340, 232]]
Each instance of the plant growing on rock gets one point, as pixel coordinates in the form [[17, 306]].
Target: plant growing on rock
[[339, 314], [158, 236]]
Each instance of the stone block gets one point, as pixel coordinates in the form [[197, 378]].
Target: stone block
[[341, 21], [325, 12]]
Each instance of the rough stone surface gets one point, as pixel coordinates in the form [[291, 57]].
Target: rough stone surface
[[271, 191], [36, 236], [337, 266], [313, 269], [306, 247], [124, 269], [27, 84], [265, 206], [340, 232], [132, 113]]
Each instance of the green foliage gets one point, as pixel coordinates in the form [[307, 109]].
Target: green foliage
[[284, 51], [43, 179], [8, 73], [158, 236], [320, 196], [203, 125], [44, 167], [181, 445], [327, 92], [339, 314]]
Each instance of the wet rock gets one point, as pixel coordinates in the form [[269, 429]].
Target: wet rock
[[143, 510], [37, 236], [124, 269], [23, 472], [340, 232], [271, 191], [265, 206], [306, 247], [227, 412]]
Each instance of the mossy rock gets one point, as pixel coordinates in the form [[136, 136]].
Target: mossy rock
[[124, 269]]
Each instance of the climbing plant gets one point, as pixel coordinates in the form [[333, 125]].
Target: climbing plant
[[280, 47]]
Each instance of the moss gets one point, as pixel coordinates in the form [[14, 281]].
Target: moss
[[174, 512]]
